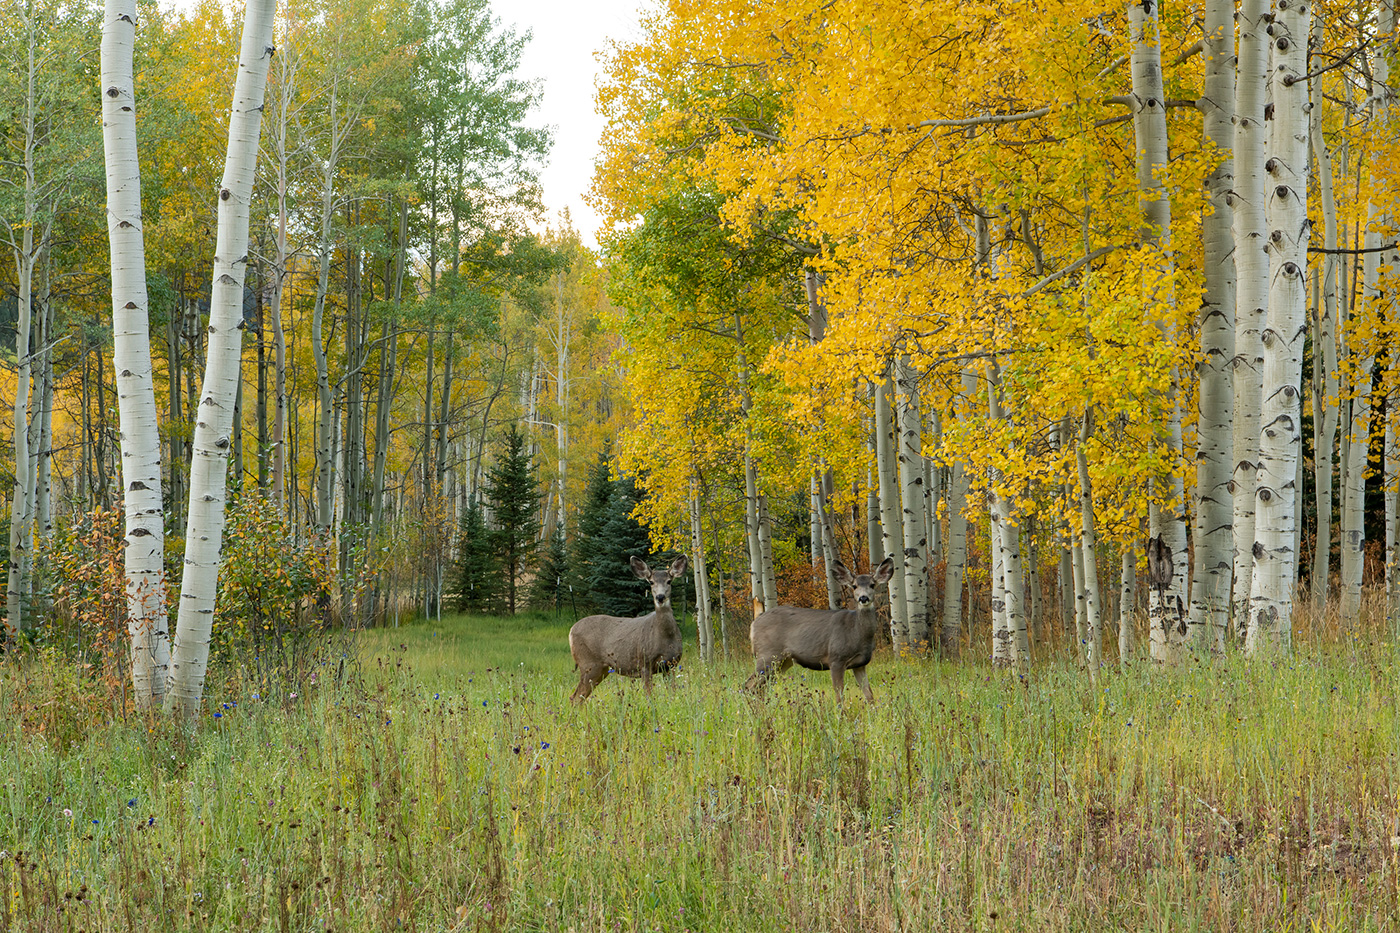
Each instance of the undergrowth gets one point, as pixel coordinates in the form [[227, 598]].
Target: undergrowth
[[446, 784]]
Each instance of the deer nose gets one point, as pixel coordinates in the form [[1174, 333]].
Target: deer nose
[[862, 599]]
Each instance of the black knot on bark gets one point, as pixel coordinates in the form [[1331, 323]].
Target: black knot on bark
[[1257, 550], [1265, 495], [1271, 166], [112, 92], [137, 484], [225, 194], [1281, 191], [1282, 43], [221, 443], [1276, 236], [1290, 268], [139, 532]]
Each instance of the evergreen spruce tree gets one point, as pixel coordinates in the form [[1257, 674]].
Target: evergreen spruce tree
[[477, 587], [513, 493], [552, 580], [593, 513], [612, 586]]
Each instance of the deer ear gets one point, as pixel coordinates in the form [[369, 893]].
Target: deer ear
[[842, 573], [678, 566], [885, 570], [640, 568]]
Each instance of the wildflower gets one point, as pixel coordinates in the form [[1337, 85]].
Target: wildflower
[[226, 706], [218, 715], [131, 802], [293, 696], [544, 745], [94, 822], [68, 813], [435, 696]]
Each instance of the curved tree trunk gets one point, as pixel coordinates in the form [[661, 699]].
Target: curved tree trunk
[[209, 469]]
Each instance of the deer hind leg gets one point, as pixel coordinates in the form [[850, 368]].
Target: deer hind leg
[[859, 674], [588, 678], [765, 672]]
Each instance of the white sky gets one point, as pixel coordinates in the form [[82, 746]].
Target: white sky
[[566, 34]]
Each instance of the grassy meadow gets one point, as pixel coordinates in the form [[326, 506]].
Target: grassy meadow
[[441, 781]]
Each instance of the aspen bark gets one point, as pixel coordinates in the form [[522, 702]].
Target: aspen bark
[[1325, 384], [209, 469], [1001, 626], [891, 522], [1251, 287], [1281, 417], [913, 494], [144, 555], [1089, 544], [1127, 607], [1212, 538], [826, 534], [1007, 541], [1167, 606], [1361, 350], [955, 565]]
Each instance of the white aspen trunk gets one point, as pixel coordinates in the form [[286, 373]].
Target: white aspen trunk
[[1001, 629], [751, 533], [1353, 531], [765, 553], [814, 527], [1281, 417], [934, 482], [1081, 605], [1089, 544], [1127, 600], [281, 272], [1008, 543], [144, 556], [1167, 608], [1325, 393], [873, 544], [1392, 477], [955, 565], [913, 489], [704, 628], [43, 489], [1212, 538], [891, 522], [209, 467], [325, 492], [1251, 286], [826, 534]]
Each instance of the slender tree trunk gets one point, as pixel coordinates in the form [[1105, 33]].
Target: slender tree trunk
[[1007, 541], [956, 564], [1089, 544], [144, 555], [1212, 537], [1325, 383], [826, 533], [1127, 607], [1168, 526], [891, 522], [1274, 575], [1361, 349], [913, 495], [1251, 286], [208, 473]]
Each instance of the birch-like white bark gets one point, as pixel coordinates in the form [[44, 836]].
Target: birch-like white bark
[[144, 558], [209, 467], [955, 567], [1212, 539], [1089, 545], [891, 522], [1008, 545], [1326, 404], [1127, 606], [1360, 348], [913, 491], [1251, 286], [1167, 605], [1281, 415]]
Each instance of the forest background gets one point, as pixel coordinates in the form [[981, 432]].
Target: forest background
[[1008, 321]]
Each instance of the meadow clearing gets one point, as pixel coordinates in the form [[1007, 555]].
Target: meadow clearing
[[441, 781]]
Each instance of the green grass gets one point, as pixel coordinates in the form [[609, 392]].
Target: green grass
[[451, 786]]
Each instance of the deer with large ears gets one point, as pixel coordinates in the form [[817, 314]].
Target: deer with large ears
[[837, 640], [640, 647]]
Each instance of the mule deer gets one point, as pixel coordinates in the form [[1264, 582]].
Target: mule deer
[[640, 647], [837, 640]]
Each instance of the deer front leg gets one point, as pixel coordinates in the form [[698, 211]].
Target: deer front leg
[[859, 674], [838, 680], [646, 678]]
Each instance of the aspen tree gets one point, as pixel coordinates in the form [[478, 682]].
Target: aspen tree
[[1212, 540], [144, 555], [1281, 417], [209, 470], [1089, 546], [913, 494], [891, 521], [1007, 543], [1325, 383], [1251, 286], [1167, 608], [1353, 527]]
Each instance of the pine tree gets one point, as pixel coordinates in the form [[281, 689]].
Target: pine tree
[[593, 513], [478, 584], [513, 492], [611, 584], [552, 579]]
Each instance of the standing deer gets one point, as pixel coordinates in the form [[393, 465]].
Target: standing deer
[[821, 639], [637, 647]]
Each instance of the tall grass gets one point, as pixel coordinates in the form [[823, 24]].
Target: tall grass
[[448, 785]]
